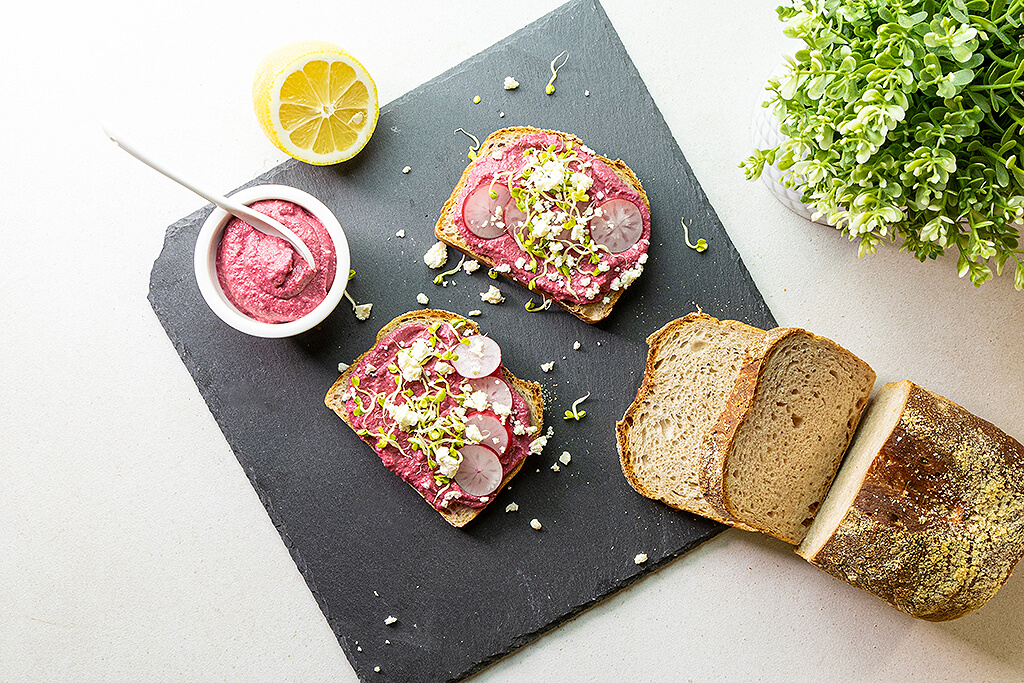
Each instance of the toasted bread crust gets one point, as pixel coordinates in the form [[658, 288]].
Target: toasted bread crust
[[456, 514], [448, 232]]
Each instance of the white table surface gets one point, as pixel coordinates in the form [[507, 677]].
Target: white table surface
[[133, 548]]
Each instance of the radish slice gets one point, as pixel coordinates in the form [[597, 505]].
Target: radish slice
[[496, 389], [496, 434], [479, 358], [514, 218], [483, 215], [618, 227], [480, 471]]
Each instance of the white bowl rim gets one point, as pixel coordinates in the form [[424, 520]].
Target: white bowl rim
[[205, 263]]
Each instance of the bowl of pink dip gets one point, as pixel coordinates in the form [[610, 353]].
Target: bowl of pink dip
[[258, 284]]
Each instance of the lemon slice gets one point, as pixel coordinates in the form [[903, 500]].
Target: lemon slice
[[315, 101]]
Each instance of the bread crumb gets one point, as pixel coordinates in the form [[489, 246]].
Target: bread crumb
[[390, 620], [535, 523], [547, 367], [407, 169], [422, 298], [400, 233], [640, 558], [512, 507]]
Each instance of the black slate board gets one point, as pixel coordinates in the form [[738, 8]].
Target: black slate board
[[366, 544]]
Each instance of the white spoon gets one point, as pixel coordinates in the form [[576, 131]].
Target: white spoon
[[259, 221]]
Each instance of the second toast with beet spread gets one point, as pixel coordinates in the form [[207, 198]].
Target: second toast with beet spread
[[549, 213]]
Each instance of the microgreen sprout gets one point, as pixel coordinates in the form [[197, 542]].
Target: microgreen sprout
[[439, 280], [575, 413], [533, 308], [476, 142], [701, 244], [564, 56]]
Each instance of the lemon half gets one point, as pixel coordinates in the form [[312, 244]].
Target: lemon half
[[315, 101]]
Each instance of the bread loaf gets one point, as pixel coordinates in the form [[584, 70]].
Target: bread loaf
[[692, 365], [927, 512], [770, 458], [596, 308]]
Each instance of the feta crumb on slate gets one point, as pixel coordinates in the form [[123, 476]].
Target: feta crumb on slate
[[511, 83], [400, 233], [406, 169], [342, 367], [586, 93], [390, 620], [422, 298], [363, 311], [501, 115], [376, 669], [547, 367], [492, 296], [436, 255], [555, 467], [535, 523], [471, 266], [512, 507], [576, 346], [565, 457], [475, 312], [640, 558]]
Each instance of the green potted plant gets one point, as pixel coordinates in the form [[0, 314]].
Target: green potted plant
[[902, 120]]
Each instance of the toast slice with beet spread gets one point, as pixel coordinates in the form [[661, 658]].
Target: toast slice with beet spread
[[420, 344], [568, 213]]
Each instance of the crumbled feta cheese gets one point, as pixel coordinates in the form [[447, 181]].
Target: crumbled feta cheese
[[501, 115], [390, 620], [576, 346], [512, 507], [492, 296], [403, 414], [640, 558], [363, 311], [376, 669], [406, 169], [531, 430], [436, 255], [471, 266], [555, 467], [473, 433], [538, 444], [476, 401], [511, 83], [518, 429], [547, 367], [501, 410], [342, 367], [475, 312], [520, 262], [535, 523], [606, 300], [448, 461], [586, 93], [422, 298], [400, 233], [564, 458], [581, 182], [503, 268], [410, 360], [548, 175]]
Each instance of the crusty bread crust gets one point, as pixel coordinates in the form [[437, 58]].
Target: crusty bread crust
[[448, 232], [629, 456], [937, 525], [456, 514], [719, 444]]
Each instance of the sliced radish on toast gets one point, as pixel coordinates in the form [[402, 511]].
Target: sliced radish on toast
[[484, 215], [480, 472], [619, 225], [479, 356], [496, 434], [497, 390]]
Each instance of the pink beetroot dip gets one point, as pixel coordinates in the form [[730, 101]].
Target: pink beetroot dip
[[264, 277]]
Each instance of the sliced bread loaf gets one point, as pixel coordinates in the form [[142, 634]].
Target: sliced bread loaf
[[928, 510], [769, 460], [692, 365]]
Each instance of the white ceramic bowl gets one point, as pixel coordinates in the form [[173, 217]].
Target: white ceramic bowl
[[206, 263]]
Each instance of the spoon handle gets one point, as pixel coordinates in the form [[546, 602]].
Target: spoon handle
[[264, 224]]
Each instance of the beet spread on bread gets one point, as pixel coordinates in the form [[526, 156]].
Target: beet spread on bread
[[549, 213]]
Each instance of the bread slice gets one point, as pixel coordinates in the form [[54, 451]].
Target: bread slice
[[447, 231], [456, 514], [927, 512], [778, 443], [692, 365]]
